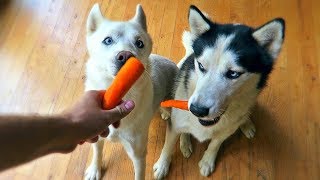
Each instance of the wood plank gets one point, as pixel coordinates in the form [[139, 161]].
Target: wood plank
[[42, 63]]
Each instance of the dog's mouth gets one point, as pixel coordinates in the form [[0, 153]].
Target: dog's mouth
[[210, 122]]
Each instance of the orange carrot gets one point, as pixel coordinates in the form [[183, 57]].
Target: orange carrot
[[124, 80], [176, 104]]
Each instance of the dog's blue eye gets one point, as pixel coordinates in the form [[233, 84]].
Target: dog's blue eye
[[233, 74], [107, 41], [139, 44], [201, 67]]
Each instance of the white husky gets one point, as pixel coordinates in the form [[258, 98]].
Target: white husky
[[225, 68], [110, 44]]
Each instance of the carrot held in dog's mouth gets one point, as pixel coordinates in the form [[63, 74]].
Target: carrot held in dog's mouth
[[124, 80], [176, 104]]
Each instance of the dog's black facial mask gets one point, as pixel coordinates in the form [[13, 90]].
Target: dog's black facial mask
[[256, 49]]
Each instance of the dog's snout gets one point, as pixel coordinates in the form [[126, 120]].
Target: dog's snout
[[199, 111], [124, 55]]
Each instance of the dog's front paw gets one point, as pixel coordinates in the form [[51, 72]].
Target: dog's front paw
[[93, 173], [165, 116], [248, 129], [206, 166], [165, 113], [185, 145], [160, 169]]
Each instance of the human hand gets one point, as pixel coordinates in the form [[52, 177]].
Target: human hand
[[88, 119]]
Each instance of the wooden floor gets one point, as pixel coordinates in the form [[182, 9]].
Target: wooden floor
[[42, 56]]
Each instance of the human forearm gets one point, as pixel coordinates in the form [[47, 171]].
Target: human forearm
[[24, 138]]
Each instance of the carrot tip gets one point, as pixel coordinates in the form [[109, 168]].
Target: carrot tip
[[175, 104]]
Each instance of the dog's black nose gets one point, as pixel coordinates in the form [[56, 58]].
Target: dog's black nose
[[199, 111], [124, 56]]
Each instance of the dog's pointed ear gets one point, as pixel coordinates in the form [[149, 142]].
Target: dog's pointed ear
[[95, 18], [198, 22], [271, 36], [140, 17]]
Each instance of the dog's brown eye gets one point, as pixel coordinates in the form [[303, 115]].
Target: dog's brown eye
[[107, 41], [233, 74], [139, 44]]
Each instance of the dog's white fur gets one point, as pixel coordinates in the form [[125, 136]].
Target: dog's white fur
[[147, 93], [235, 97]]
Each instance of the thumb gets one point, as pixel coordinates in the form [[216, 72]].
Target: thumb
[[119, 112]]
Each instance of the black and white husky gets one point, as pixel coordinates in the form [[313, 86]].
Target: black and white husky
[[225, 68]]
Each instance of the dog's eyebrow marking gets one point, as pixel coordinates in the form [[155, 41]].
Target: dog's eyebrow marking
[[117, 33], [220, 49], [222, 43], [221, 46]]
